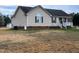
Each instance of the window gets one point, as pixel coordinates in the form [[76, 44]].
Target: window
[[53, 20], [42, 19], [36, 19], [39, 18]]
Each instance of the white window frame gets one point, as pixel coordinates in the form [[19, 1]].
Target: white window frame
[[39, 18]]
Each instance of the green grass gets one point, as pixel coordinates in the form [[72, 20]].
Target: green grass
[[28, 31]]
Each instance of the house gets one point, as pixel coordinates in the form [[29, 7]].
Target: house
[[38, 16]]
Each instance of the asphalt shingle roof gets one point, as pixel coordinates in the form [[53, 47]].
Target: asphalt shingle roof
[[53, 12], [25, 9]]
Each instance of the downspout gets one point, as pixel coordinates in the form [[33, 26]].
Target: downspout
[[25, 27]]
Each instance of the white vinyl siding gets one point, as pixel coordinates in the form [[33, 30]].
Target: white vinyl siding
[[20, 19], [45, 18]]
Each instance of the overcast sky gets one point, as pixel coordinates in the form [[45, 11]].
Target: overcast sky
[[9, 10]]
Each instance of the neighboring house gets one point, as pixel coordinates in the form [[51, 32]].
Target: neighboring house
[[40, 17]]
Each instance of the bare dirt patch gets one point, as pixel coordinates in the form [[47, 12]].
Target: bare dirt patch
[[40, 41]]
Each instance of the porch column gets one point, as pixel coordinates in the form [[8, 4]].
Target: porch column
[[25, 27]]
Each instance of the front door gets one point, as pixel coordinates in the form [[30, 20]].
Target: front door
[[61, 22]]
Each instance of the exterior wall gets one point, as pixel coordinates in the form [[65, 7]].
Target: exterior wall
[[57, 22], [31, 18], [46, 19], [19, 19]]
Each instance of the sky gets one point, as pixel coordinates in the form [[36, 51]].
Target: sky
[[9, 10]]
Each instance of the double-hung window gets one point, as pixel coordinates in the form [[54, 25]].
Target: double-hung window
[[39, 18], [53, 20]]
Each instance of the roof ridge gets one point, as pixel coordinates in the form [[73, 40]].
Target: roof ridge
[[39, 5], [24, 6]]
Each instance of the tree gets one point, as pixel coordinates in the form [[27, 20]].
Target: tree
[[1, 20], [76, 19], [7, 20]]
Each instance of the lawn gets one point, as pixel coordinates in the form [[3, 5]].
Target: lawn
[[38, 41]]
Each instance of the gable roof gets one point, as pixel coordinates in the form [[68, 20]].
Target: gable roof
[[23, 8], [52, 12]]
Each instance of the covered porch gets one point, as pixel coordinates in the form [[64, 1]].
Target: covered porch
[[65, 22]]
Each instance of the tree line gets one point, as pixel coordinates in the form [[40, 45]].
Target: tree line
[[4, 20]]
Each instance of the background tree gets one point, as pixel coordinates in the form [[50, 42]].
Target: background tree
[[76, 19], [7, 20], [1, 20]]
